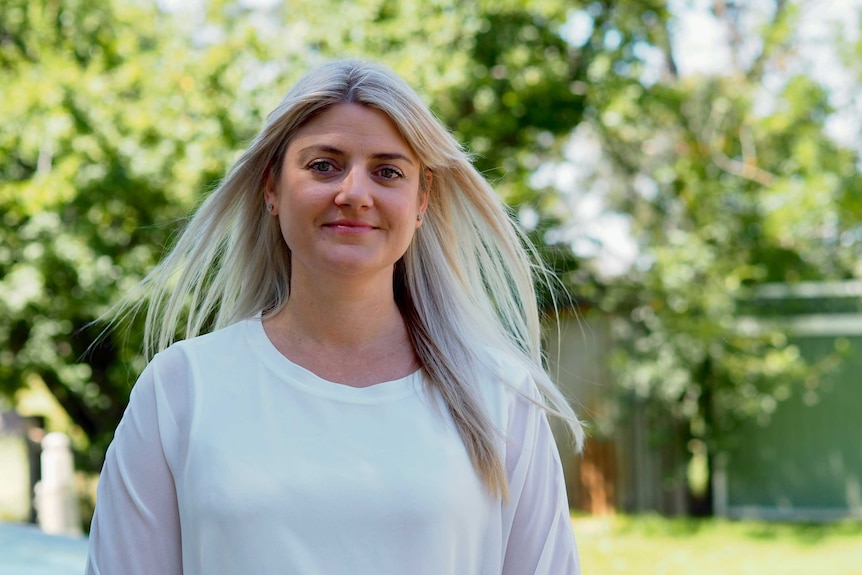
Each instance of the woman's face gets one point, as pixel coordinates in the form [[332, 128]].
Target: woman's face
[[348, 196]]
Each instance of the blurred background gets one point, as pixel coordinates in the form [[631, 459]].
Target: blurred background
[[690, 168]]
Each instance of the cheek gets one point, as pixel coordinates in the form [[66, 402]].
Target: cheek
[[293, 217], [289, 217]]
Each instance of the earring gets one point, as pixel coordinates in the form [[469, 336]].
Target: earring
[[269, 207], [419, 218]]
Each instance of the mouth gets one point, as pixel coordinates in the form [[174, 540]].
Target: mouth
[[354, 226]]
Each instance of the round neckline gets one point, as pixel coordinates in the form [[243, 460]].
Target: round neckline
[[309, 382]]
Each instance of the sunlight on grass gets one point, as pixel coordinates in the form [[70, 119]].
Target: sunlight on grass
[[656, 545]]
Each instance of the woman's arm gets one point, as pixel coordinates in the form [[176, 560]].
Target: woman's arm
[[539, 539], [136, 526]]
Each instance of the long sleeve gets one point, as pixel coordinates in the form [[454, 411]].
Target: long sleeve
[[136, 527], [537, 527]]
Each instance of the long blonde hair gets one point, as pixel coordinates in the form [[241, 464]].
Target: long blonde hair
[[466, 281]]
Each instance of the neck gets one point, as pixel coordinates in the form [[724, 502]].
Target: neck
[[342, 315], [354, 336]]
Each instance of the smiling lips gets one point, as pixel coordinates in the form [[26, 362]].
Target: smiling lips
[[350, 226]]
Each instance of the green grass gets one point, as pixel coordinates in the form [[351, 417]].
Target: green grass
[[655, 545]]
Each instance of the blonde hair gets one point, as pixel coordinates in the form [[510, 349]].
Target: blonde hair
[[466, 281]]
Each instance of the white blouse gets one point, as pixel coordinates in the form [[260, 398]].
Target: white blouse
[[232, 460]]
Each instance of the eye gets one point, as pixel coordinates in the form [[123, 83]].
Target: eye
[[389, 173], [321, 166]]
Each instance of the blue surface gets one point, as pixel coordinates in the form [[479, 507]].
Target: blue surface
[[25, 550]]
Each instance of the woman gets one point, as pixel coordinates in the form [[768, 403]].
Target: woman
[[372, 399]]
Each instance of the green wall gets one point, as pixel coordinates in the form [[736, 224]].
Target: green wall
[[806, 463]]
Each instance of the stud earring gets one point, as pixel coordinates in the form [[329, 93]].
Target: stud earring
[[269, 207], [419, 218]]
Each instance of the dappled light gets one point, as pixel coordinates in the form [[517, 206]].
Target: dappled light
[[690, 171]]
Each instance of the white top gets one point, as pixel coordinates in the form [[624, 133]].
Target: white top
[[232, 460]]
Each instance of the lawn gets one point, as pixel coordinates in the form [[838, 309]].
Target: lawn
[[654, 545]]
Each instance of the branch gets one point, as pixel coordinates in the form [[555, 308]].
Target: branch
[[743, 169], [722, 12], [755, 73], [667, 46]]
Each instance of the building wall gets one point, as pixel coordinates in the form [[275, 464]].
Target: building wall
[[806, 461]]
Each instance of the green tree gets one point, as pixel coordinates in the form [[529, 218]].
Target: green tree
[[728, 183], [111, 127], [119, 116]]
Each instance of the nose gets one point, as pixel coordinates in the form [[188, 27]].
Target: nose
[[355, 189]]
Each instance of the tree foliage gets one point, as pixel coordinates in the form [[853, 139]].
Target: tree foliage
[[111, 128], [116, 118], [730, 180]]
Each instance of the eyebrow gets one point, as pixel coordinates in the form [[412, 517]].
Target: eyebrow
[[338, 152]]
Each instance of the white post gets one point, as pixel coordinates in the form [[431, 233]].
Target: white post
[[56, 500]]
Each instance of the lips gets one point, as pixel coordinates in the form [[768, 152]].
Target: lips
[[349, 226]]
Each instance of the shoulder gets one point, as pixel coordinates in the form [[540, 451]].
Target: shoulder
[[510, 371], [181, 363], [169, 381], [508, 384], [218, 341], [212, 348]]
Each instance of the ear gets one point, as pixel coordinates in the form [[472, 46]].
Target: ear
[[424, 194], [270, 194]]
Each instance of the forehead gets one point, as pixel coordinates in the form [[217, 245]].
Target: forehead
[[351, 126]]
